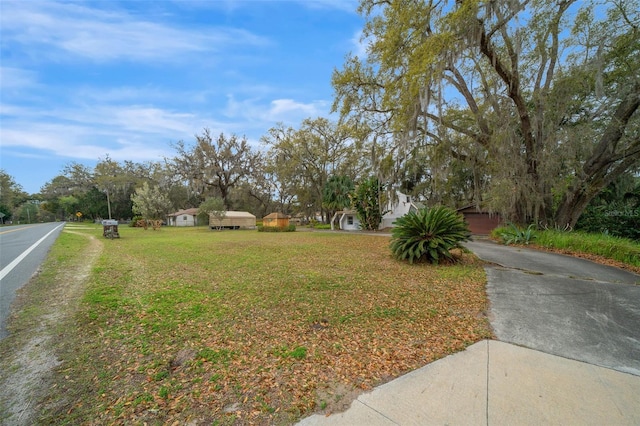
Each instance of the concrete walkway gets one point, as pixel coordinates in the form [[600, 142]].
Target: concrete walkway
[[569, 353], [496, 383]]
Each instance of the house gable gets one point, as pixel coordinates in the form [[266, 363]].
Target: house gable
[[401, 206]]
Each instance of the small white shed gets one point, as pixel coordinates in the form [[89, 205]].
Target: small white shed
[[347, 220], [188, 217]]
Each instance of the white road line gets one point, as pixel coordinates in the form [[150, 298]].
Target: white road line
[[24, 254]]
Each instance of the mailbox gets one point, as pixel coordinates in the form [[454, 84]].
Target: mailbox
[[110, 228]]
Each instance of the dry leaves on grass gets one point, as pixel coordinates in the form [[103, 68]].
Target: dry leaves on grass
[[277, 327]]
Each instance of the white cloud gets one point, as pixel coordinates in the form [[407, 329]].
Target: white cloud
[[230, 6], [361, 44], [267, 114], [137, 133], [116, 118], [282, 108], [342, 5], [120, 94], [148, 120], [110, 35], [91, 125], [13, 110], [71, 141], [16, 78]]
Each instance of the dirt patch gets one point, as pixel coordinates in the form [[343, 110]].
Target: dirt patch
[[336, 398], [29, 352]]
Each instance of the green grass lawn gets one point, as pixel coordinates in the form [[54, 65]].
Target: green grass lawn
[[240, 327]]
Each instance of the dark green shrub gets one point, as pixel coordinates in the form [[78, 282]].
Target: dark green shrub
[[616, 219], [428, 235]]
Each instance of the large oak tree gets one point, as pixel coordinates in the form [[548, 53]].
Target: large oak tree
[[215, 166], [303, 160], [540, 97]]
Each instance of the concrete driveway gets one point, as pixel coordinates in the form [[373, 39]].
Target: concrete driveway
[[563, 305]]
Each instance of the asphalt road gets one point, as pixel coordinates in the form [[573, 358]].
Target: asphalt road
[[563, 305], [22, 250]]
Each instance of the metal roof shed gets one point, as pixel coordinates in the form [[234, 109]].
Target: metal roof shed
[[234, 220]]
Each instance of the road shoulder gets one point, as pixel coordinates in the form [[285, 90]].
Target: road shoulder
[[28, 356]]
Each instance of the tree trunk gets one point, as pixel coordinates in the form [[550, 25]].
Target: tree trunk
[[605, 164], [571, 208], [577, 198]]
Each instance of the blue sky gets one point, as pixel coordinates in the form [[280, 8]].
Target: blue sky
[[85, 79]]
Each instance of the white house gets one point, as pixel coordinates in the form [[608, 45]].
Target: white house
[[188, 217], [397, 208], [347, 220]]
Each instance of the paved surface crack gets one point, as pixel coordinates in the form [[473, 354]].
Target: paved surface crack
[[373, 409], [498, 266]]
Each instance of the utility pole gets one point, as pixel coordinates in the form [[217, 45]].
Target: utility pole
[[108, 204]]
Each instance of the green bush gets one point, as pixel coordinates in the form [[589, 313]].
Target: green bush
[[429, 235], [290, 228], [366, 202], [513, 234]]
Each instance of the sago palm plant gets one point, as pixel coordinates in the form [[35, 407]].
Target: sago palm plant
[[428, 235]]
